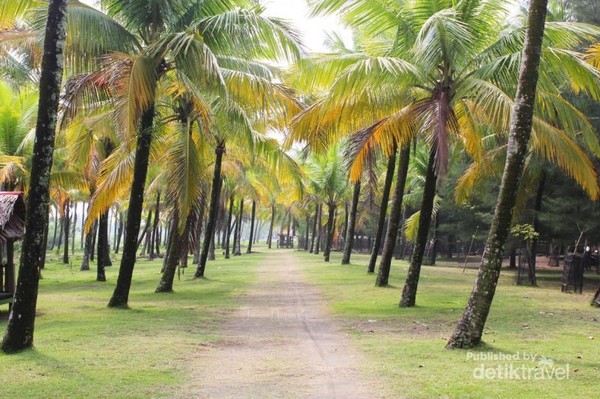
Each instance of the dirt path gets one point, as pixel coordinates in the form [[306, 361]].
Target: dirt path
[[281, 343]]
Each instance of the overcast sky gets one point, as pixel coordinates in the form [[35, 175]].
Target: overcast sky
[[296, 11]]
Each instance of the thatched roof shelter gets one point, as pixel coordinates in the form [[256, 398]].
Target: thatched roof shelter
[[12, 216]]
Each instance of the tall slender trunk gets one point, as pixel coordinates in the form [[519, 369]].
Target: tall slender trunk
[[74, 228], [470, 328], [385, 196], [82, 233], [115, 226], [351, 224], [66, 228], [330, 229], [251, 238], [409, 293], [21, 321], [55, 229], [211, 248], [237, 242], [102, 244], [153, 241], [228, 227], [87, 248], [184, 239], [385, 264], [212, 210], [289, 225], [306, 233], [93, 248], [314, 229], [45, 244], [145, 234], [319, 229], [539, 197], [270, 237], [120, 297], [120, 232], [172, 257], [199, 226]]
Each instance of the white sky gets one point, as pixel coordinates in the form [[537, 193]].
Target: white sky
[[314, 30]]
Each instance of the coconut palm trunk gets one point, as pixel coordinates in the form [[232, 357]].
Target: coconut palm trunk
[[87, 248], [330, 230], [252, 221], [102, 244], [199, 227], [270, 237], [74, 228], [389, 244], [153, 240], [469, 330], [319, 229], [314, 229], [228, 227], [172, 257], [66, 225], [21, 321], [351, 224], [120, 295], [237, 242], [306, 233], [409, 293], [385, 196], [213, 209]]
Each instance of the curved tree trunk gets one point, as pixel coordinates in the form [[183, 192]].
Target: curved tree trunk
[[120, 295], [470, 328], [385, 196], [21, 321], [251, 238], [351, 224], [385, 264], [213, 208], [330, 230], [409, 293]]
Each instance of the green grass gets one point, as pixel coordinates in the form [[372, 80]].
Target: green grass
[[406, 346], [84, 350]]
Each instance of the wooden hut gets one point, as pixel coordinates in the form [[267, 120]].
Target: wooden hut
[[12, 228]]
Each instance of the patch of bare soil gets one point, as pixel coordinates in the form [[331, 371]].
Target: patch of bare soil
[[280, 343]]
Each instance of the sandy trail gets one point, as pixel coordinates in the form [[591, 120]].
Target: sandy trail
[[280, 343]]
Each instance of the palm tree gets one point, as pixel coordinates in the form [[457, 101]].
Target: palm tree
[[190, 40], [20, 327], [470, 328], [330, 183], [447, 71]]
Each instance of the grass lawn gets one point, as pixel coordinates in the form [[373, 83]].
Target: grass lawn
[[406, 346], [85, 350]]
